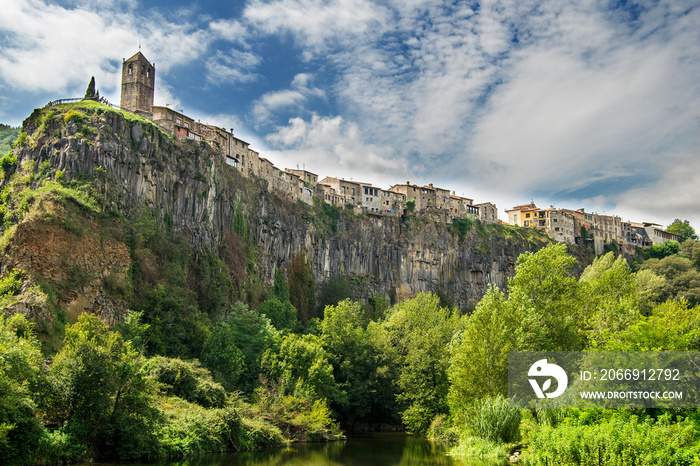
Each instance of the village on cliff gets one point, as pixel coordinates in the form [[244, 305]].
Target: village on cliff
[[564, 225]]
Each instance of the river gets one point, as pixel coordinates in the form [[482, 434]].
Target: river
[[385, 449]]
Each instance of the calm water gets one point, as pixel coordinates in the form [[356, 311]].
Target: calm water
[[384, 449]]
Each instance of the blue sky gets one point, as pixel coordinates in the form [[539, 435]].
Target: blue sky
[[581, 103]]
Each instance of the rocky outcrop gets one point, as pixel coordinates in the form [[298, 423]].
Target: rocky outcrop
[[199, 195], [68, 251]]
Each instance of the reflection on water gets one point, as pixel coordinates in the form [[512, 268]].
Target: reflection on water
[[384, 449]]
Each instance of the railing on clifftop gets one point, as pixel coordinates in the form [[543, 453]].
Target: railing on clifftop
[[79, 99]]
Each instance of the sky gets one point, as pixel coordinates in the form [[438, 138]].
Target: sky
[[570, 103]]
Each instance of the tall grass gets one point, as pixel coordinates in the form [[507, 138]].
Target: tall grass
[[617, 442], [496, 419]]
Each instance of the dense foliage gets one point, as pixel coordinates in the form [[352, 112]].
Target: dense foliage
[[609, 307]]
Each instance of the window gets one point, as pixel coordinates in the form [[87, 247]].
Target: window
[[527, 215], [129, 70], [148, 73], [170, 116], [187, 125], [178, 121]]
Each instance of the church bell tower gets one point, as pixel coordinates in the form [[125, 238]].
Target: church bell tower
[[138, 84]]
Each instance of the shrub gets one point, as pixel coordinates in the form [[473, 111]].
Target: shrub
[[74, 116], [187, 380], [21, 140], [441, 429], [462, 226], [11, 284], [8, 163]]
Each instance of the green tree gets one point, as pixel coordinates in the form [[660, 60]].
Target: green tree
[[672, 326], [302, 369], [363, 367], [479, 355], [682, 228], [691, 250], [222, 357], [99, 394], [609, 301], [332, 291], [682, 279], [279, 286], [411, 205], [20, 378], [420, 330], [90, 92], [302, 287], [243, 334], [547, 294], [282, 314]]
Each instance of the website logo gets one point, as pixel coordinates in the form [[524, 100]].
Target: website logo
[[542, 369]]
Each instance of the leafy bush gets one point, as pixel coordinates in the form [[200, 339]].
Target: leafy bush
[[190, 429], [462, 226], [187, 380], [298, 418], [8, 163], [74, 116], [442, 429], [21, 140], [11, 284]]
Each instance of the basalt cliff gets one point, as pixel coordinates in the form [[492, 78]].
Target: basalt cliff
[[134, 167]]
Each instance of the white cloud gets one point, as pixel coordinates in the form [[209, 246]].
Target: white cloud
[[232, 67], [570, 115], [674, 195], [231, 30], [331, 146], [56, 49], [273, 102], [317, 24]]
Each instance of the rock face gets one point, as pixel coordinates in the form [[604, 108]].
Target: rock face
[[67, 250], [199, 195]]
